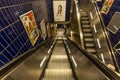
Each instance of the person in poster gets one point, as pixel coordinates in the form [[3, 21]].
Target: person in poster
[[59, 8], [30, 26], [59, 13]]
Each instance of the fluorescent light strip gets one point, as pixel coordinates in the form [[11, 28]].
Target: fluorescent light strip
[[102, 56], [68, 50], [51, 47], [116, 27], [98, 41], [54, 42], [49, 50], [74, 61], [91, 15], [41, 64], [95, 28]]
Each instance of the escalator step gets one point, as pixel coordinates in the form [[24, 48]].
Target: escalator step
[[84, 15], [58, 73], [89, 39], [91, 50], [58, 65], [59, 60], [82, 12], [59, 41], [59, 50], [59, 57], [89, 45], [86, 30], [58, 79], [84, 18], [85, 22], [87, 35], [86, 26]]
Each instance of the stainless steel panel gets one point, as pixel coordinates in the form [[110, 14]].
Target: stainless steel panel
[[29, 69], [85, 69]]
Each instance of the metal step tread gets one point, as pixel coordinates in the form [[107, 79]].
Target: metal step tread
[[58, 78], [59, 52], [58, 73], [87, 35], [84, 18], [84, 15], [89, 39], [87, 30], [91, 50], [89, 45], [58, 65], [59, 56], [86, 26], [59, 41], [58, 61], [83, 22]]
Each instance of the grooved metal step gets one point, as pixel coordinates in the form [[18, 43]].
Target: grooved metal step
[[87, 35], [86, 26], [86, 30], [84, 18], [91, 50], [60, 65], [85, 22], [83, 12], [57, 79], [84, 15], [58, 73], [89, 39], [59, 58], [89, 45]]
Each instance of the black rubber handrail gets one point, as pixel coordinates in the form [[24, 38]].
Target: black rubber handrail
[[108, 72]]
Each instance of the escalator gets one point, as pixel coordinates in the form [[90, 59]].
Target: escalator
[[58, 67], [87, 33], [66, 61]]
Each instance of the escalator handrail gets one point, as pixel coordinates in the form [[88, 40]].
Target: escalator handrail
[[108, 72], [106, 36]]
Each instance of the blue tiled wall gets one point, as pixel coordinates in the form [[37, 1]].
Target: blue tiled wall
[[68, 6], [106, 18], [13, 38]]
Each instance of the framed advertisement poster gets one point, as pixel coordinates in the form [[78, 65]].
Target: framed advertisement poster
[[114, 24], [106, 6], [43, 29], [59, 10], [117, 47], [29, 23]]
